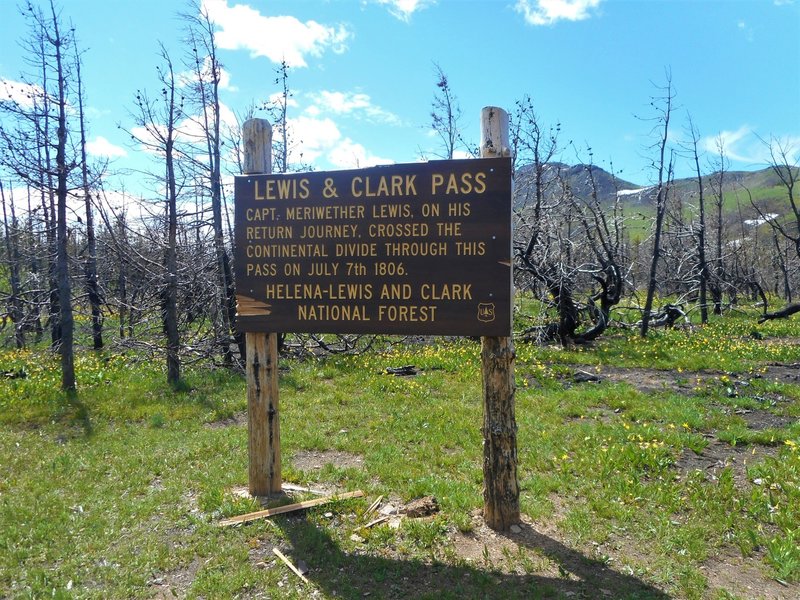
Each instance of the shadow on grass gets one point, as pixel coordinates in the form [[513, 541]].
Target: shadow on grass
[[363, 575], [77, 413]]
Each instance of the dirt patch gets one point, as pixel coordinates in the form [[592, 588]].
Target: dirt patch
[[484, 548], [236, 420], [651, 381], [759, 420], [670, 380], [718, 456], [540, 550], [744, 578], [599, 568], [175, 584], [783, 372], [313, 460]]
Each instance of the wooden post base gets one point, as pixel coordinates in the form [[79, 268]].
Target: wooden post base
[[263, 425]]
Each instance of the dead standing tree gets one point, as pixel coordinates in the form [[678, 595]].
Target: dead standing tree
[[63, 169], [39, 151], [718, 267], [603, 229], [703, 271], [278, 110], [158, 120], [90, 262], [580, 254], [446, 118], [784, 163], [664, 107], [535, 148], [206, 77], [565, 245]]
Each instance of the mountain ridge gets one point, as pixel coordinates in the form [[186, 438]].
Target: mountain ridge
[[557, 177]]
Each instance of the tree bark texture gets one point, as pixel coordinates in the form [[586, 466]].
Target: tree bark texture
[[264, 434], [62, 258], [661, 204], [171, 283], [90, 266], [501, 486], [784, 313], [261, 363]]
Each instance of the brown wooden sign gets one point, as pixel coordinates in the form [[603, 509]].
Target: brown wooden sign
[[421, 248]]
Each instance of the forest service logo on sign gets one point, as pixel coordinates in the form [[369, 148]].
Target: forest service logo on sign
[[486, 312], [421, 248]]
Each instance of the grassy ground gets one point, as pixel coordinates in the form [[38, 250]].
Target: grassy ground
[[673, 472]]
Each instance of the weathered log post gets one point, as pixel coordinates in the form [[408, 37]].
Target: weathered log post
[[263, 425], [501, 487]]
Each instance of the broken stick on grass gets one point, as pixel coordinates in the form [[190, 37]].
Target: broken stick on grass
[[289, 564], [374, 505], [270, 512], [376, 521], [299, 488]]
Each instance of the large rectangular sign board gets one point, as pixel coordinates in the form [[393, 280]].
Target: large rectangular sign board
[[420, 248]]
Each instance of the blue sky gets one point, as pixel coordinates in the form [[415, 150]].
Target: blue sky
[[363, 74]]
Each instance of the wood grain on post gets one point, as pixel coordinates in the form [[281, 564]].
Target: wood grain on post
[[263, 425], [501, 486]]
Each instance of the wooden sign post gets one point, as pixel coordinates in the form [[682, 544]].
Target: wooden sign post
[[501, 486], [408, 249], [263, 425], [412, 249]]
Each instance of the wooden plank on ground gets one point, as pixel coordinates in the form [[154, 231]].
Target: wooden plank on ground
[[271, 512], [289, 564], [376, 521], [290, 487], [374, 505]]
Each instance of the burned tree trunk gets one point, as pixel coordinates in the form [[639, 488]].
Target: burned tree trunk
[[784, 313]]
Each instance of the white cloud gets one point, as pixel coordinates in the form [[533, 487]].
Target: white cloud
[[187, 77], [311, 137], [277, 38], [342, 102], [277, 98], [22, 94], [193, 126], [100, 146], [548, 12], [348, 154], [189, 130], [745, 146], [315, 135], [349, 103], [403, 9], [145, 137], [734, 144]]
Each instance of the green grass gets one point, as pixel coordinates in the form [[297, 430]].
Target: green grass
[[116, 494]]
